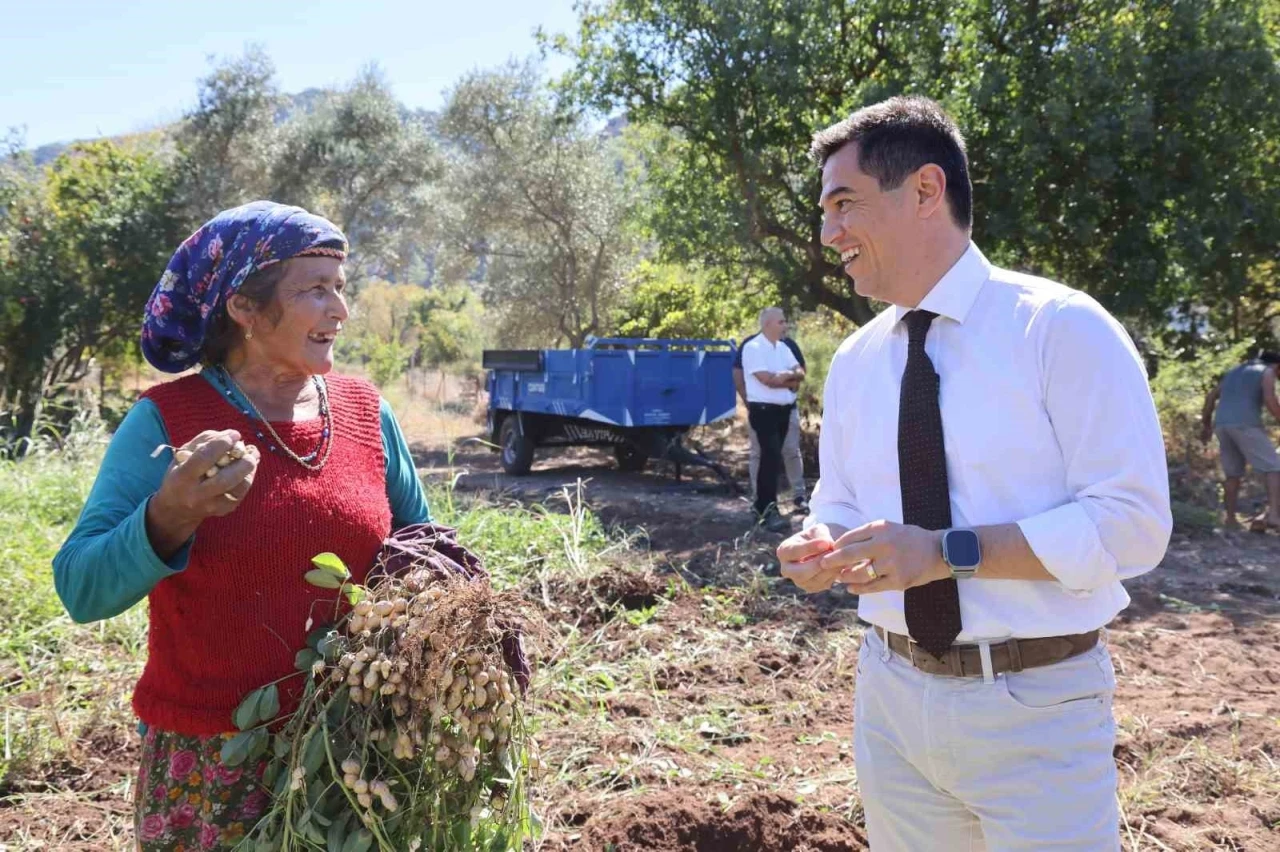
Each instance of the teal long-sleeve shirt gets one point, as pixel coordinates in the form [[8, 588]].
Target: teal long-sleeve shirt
[[107, 564]]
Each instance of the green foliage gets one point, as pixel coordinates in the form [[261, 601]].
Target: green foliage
[[740, 87], [538, 199], [386, 362], [352, 155], [1179, 389], [668, 300], [1128, 148], [226, 144], [396, 326], [40, 499], [359, 159], [450, 327], [81, 247], [819, 334], [520, 542]]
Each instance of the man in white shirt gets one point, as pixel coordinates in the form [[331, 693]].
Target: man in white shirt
[[771, 374], [993, 474]]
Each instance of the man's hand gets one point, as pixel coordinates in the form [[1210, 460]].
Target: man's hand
[[1206, 434], [882, 556], [800, 554]]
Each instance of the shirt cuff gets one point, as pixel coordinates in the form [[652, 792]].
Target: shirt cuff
[[845, 516], [140, 544], [1067, 543]]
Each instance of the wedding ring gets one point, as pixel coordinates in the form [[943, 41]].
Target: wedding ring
[[871, 571]]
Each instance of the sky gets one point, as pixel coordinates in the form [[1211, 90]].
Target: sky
[[77, 70]]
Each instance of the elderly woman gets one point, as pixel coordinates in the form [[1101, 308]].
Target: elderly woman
[[256, 297]]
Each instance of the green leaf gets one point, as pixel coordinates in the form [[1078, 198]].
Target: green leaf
[[323, 579], [258, 739], [338, 707], [313, 833], [282, 784], [270, 774], [280, 748], [336, 835], [236, 750], [269, 703], [360, 841], [304, 659], [330, 647], [313, 753], [354, 593], [246, 715], [329, 562], [316, 634], [315, 792]]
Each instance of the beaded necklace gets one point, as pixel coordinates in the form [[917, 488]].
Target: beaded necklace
[[308, 461]]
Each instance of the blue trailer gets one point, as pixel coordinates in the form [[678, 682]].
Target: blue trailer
[[637, 395]]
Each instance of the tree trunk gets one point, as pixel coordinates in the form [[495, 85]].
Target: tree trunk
[[30, 404], [817, 285]]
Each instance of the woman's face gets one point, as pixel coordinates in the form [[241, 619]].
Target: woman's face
[[312, 309]]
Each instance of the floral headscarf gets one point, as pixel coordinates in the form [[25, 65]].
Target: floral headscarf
[[211, 264]]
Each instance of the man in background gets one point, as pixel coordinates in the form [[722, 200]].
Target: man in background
[[771, 373], [1233, 411], [792, 461]]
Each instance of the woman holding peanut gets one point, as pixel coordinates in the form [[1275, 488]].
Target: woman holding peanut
[[265, 459]]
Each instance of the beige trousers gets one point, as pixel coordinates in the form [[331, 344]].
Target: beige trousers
[[1018, 764]]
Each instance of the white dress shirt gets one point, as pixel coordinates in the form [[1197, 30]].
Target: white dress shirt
[[1048, 423], [762, 355]]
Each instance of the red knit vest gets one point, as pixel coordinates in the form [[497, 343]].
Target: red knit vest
[[235, 618]]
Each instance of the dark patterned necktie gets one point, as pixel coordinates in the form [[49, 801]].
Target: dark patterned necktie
[[932, 610]]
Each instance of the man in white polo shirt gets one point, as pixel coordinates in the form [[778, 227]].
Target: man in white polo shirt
[[771, 374], [988, 480]]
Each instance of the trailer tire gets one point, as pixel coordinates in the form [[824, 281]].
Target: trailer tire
[[517, 449], [629, 458]]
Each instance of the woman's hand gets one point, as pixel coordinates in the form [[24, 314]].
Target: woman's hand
[[186, 497]]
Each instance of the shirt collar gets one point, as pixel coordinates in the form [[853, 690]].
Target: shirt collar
[[955, 292]]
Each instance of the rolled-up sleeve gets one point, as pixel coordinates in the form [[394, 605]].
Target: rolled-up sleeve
[[1118, 523], [833, 500]]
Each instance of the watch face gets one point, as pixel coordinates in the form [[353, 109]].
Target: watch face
[[962, 549]]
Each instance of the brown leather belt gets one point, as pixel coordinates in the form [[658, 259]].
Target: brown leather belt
[[1011, 655]]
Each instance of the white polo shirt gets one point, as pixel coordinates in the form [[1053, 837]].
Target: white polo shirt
[[759, 355]]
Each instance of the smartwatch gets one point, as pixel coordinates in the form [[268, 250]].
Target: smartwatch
[[962, 552]]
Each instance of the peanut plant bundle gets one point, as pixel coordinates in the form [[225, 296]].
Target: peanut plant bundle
[[410, 732]]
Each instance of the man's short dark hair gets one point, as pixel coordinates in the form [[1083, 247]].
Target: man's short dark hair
[[898, 136], [1270, 357]]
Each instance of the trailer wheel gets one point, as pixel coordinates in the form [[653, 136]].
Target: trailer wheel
[[517, 449], [629, 458]]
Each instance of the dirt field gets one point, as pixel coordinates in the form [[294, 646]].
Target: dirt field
[[728, 722], [691, 700]]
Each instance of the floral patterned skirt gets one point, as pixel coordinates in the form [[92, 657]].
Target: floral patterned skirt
[[188, 800]]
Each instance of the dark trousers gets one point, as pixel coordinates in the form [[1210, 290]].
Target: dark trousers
[[770, 423]]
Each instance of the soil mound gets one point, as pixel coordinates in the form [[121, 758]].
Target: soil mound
[[761, 822]]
